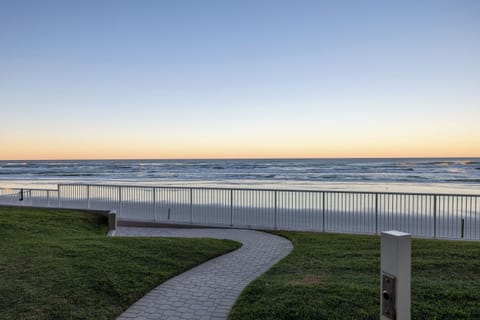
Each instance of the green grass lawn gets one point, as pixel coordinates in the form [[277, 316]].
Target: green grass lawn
[[332, 276], [59, 264]]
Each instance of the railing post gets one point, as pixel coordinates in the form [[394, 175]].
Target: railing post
[[275, 212], [119, 200], [231, 207], [324, 205], [191, 206], [434, 216], [58, 195], [154, 203], [376, 213], [88, 196], [20, 197], [48, 198]]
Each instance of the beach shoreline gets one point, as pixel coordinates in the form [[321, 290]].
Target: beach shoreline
[[440, 188]]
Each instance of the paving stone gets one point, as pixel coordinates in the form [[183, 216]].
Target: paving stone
[[209, 290]]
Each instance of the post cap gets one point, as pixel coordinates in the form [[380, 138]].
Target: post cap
[[395, 233]]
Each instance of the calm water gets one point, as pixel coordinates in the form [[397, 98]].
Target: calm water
[[414, 175]]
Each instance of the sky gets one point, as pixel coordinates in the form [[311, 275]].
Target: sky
[[239, 79]]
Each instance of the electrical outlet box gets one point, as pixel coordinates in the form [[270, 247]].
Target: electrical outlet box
[[388, 296]]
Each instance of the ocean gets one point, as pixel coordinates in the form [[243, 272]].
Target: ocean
[[435, 175]]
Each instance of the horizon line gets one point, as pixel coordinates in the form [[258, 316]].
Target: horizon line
[[247, 158]]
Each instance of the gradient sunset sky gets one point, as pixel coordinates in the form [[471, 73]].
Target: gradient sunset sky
[[239, 79]]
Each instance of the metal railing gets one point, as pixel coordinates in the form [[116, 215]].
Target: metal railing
[[452, 216], [29, 197]]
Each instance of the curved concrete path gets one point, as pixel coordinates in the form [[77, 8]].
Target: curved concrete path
[[207, 291]]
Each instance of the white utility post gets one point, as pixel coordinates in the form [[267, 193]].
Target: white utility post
[[395, 275]]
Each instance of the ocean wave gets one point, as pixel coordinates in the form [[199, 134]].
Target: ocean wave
[[16, 165], [441, 163], [61, 164], [8, 173], [249, 176], [395, 168], [74, 175], [456, 162], [151, 164], [326, 170], [463, 180], [467, 163], [117, 167], [416, 177], [68, 174]]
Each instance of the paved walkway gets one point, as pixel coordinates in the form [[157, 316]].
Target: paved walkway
[[209, 290]]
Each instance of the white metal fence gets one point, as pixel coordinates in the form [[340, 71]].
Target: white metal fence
[[452, 216], [29, 197]]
